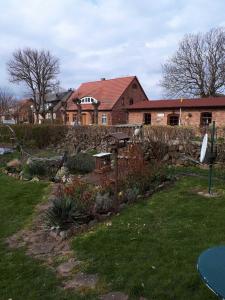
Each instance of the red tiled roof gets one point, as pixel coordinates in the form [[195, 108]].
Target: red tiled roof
[[106, 91], [177, 103]]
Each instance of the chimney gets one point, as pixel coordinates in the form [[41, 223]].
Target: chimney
[[103, 78]]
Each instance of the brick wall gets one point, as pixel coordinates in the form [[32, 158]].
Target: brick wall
[[189, 117], [134, 92]]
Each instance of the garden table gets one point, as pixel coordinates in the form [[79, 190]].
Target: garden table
[[211, 266]]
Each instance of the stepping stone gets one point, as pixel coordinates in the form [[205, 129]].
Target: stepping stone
[[82, 280], [114, 296], [65, 268], [38, 249]]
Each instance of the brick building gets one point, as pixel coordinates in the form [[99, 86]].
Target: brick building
[[193, 112], [114, 96]]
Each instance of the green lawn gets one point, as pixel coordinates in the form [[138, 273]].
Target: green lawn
[[151, 248], [22, 278]]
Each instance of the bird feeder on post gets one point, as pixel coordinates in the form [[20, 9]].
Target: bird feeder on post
[[117, 140]]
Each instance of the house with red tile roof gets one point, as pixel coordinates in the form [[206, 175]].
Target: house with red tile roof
[[113, 96], [189, 112]]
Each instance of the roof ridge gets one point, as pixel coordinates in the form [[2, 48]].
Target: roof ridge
[[116, 78]]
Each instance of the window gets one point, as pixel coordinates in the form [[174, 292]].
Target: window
[[147, 119], [74, 117], [104, 119], [173, 120], [206, 118], [131, 101], [87, 100]]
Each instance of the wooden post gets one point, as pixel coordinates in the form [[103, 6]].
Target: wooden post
[[116, 178]]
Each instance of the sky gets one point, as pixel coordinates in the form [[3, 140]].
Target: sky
[[103, 38]]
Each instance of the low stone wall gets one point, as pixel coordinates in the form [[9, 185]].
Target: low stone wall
[[175, 145]]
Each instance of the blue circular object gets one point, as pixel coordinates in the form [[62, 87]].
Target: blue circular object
[[211, 266]]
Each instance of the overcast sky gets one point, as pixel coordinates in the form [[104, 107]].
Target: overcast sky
[[104, 38]]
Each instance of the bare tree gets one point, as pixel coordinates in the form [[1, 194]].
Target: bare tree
[[198, 66], [7, 101], [38, 69]]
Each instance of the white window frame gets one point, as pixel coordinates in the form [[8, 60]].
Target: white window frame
[[104, 119], [88, 100]]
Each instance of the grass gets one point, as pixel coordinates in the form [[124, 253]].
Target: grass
[[151, 248], [22, 277]]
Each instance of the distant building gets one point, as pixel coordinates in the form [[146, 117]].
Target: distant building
[[19, 112], [188, 112], [53, 106], [113, 96]]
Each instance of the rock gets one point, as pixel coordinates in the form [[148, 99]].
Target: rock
[[64, 234], [82, 280], [43, 248], [15, 163], [114, 296], [166, 157], [35, 179], [62, 172], [92, 222], [66, 268]]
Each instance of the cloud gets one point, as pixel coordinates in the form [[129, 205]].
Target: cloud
[[99, 38]]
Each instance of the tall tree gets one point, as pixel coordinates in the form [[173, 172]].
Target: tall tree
[[38, 70], [197, 69]]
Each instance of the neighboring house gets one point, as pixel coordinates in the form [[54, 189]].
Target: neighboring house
[[7, 118], [19, 112], [113, 96], [189, 112], [23, 112], [54, 104]]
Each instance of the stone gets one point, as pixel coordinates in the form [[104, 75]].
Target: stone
[[82, 280], [15, 163], [66, 268], [62, 173], [35, 179], [114, 296], [64, 234], [43, 248], [166, 157], [92, 222]]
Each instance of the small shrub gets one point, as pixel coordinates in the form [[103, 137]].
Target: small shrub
[[81, 163], [36, 169], [82, 193], [64, 213], [103, 203], [130, 195]]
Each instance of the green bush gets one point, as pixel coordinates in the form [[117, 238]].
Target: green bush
[[35, 169], [37, 136], [81, 163]]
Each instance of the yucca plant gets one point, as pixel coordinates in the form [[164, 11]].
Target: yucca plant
[[64, 213]]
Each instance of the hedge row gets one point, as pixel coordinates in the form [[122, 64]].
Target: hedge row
[[37, 136]]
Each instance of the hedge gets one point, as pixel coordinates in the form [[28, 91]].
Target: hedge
[[37, 136]]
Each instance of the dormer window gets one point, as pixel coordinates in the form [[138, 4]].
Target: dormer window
[[88, 100]]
